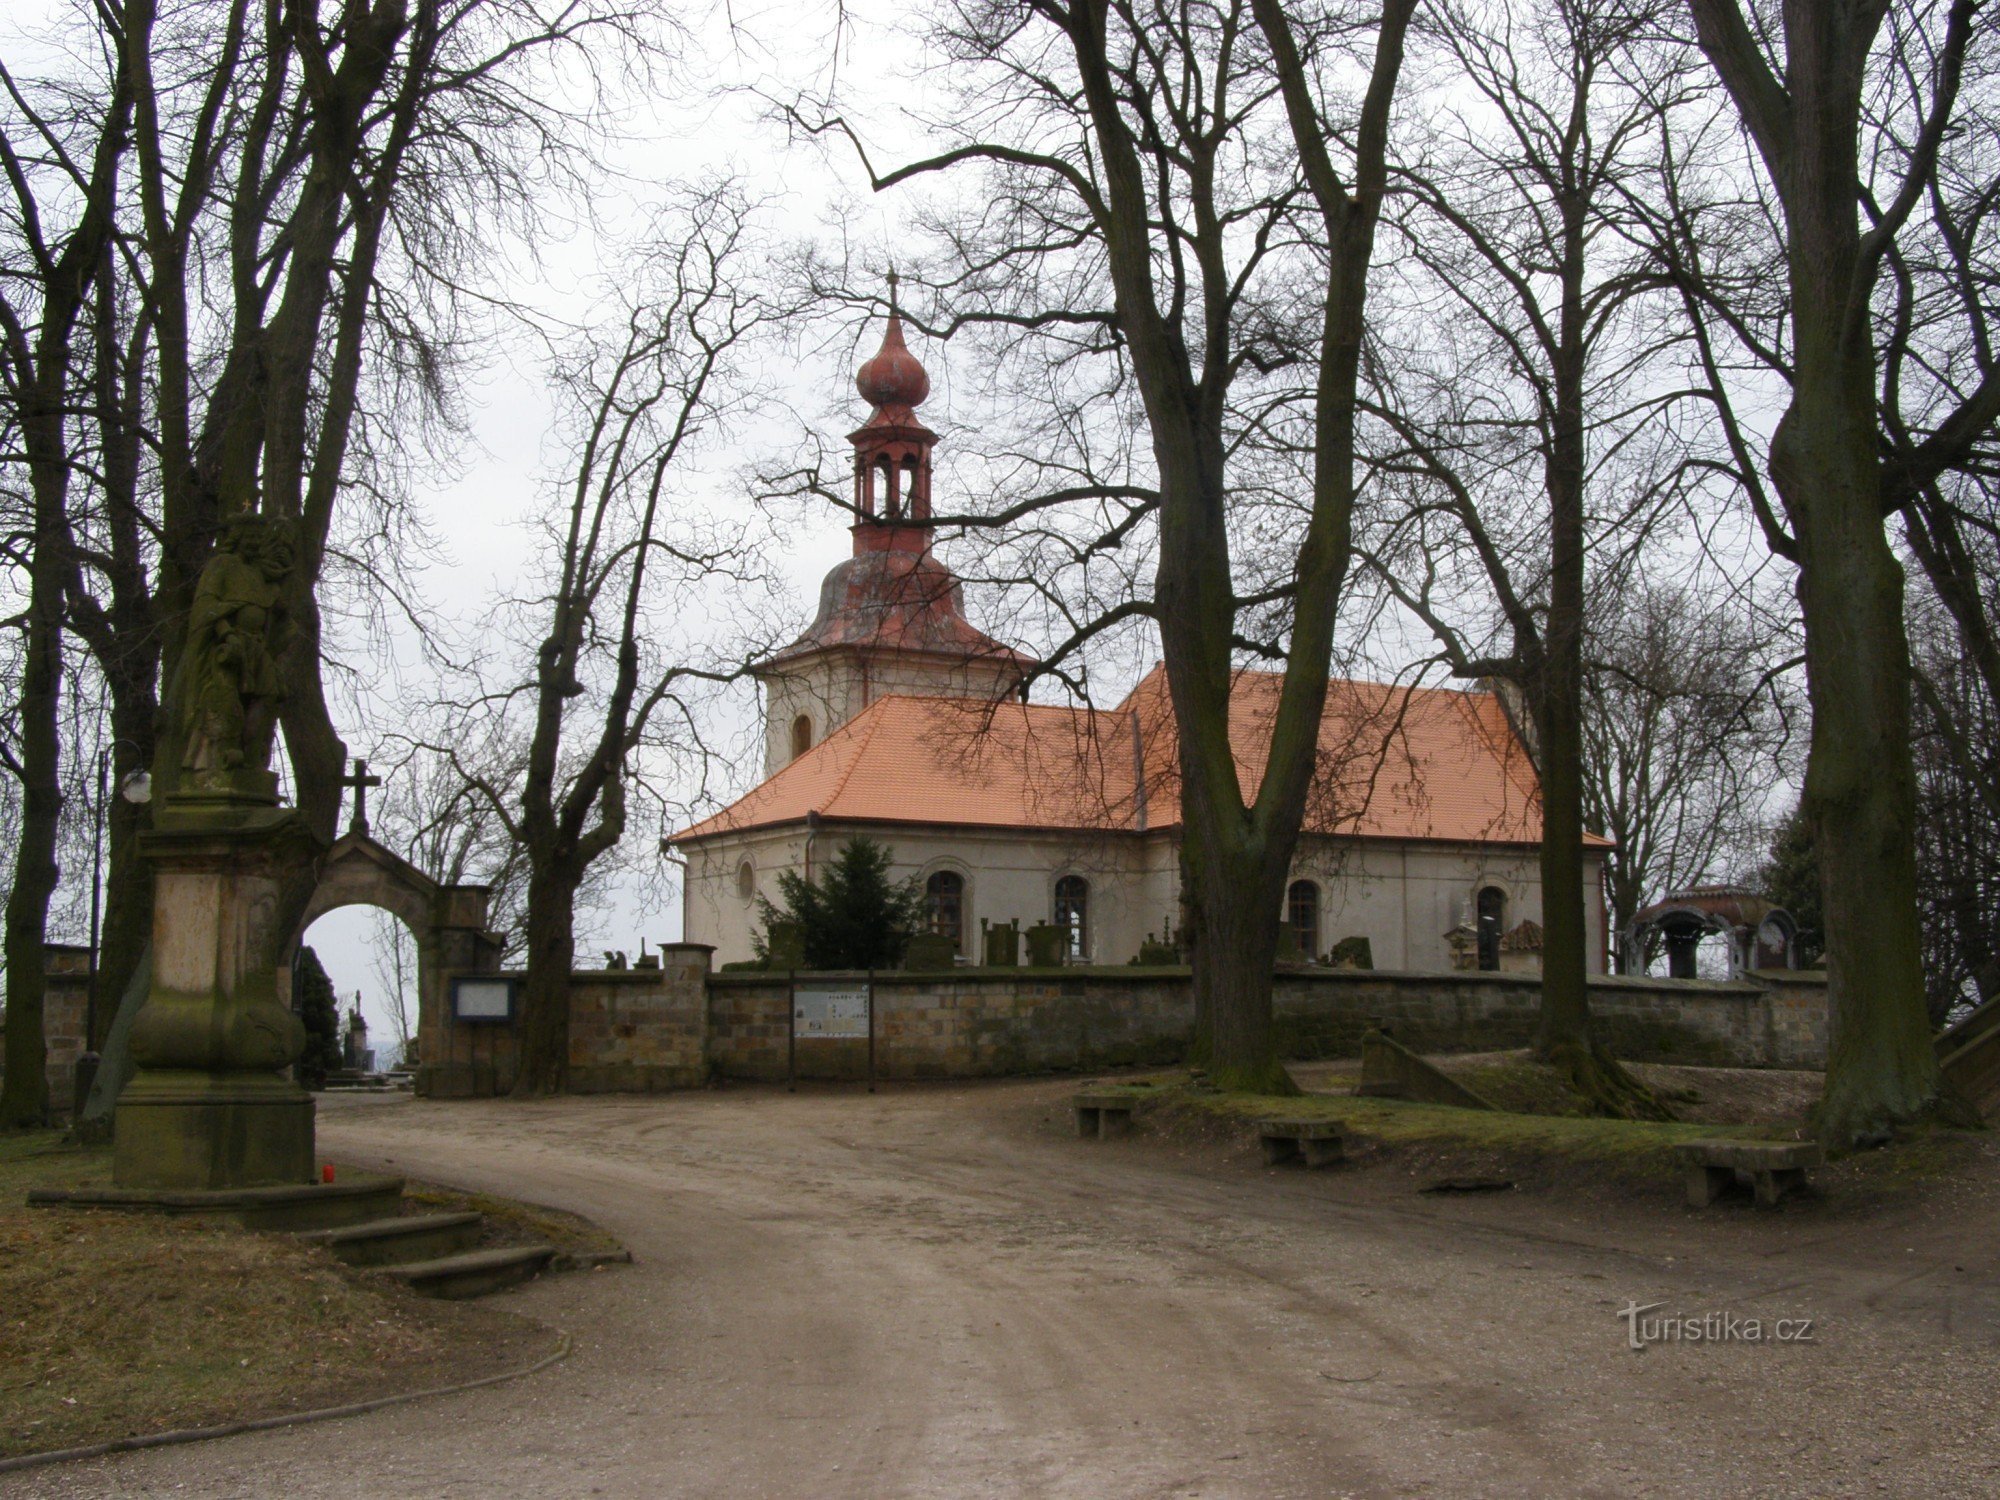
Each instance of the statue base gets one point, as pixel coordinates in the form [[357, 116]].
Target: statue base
[[211, 1106], [192, 1131]]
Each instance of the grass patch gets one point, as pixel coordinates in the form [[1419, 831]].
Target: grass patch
[[118, 1324], [1931, 1165], [1629, 1147]]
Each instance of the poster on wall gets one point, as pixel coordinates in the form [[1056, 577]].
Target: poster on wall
[[832, 1012]]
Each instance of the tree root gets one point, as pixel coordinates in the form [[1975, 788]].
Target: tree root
[[1610, 1091], [1265, 1078]]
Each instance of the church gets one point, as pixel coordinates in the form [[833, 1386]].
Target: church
[[896, 718]]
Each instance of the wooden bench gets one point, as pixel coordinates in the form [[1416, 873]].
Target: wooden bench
[[1775, 1169], [1103, 1116], [1317, 1143]]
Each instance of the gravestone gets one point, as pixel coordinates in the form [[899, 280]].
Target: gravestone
[[927, 951], [1352, 953], [1002, 943], [1047, 945]]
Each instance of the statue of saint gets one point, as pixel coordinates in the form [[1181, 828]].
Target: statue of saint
[[237, 631]]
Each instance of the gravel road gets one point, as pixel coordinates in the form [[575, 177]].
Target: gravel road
[[939, 1291]]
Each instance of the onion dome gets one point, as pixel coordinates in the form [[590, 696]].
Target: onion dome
[[893, 377]]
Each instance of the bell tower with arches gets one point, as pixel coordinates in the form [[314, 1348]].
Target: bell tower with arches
[[891, 617]]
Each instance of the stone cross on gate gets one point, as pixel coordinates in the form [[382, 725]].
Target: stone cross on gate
[[360, 781]]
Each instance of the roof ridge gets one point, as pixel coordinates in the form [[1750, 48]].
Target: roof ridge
[[874, 717]]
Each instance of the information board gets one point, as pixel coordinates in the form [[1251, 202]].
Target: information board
[[835, 1011], [482, 999]]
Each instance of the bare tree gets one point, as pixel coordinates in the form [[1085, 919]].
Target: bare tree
[[1687, 737], [59, 221], [634, 567], [1958, 824], [273, 310], [1523, 407], [1846, 108], [394, 965]]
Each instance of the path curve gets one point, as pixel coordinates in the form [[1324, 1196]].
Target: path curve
[[939, 1291]]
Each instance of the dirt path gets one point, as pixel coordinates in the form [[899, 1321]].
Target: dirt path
[[940, 1292]]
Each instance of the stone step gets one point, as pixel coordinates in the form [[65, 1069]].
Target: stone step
[[290, 1207], [413, 1238], [475, 1272]]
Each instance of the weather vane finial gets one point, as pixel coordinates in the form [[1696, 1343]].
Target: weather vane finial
[[893, 279]]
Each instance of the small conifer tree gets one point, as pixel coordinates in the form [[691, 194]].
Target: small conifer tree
[[313, 998], [1790, 877], [854, 916]]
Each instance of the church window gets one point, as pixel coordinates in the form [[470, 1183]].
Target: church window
[[746, 880], [944, 895], [1492, 922], [1302, 916], [1073, 912], [802, 735]]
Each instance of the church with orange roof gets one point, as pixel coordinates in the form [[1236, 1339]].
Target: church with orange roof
[[895, 717]]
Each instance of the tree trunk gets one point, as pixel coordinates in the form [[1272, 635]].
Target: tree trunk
[[1565, 1017], [1826, 463], [24, 1097], [542, 1055], [1555, 672], [1232, 895], [128, 879], [1860, 789]]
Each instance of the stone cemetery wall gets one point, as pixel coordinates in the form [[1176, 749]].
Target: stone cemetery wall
[[65, 1005], [634, 1031], [1778, 1020], [630, 1031], [677, 1026], [970, 1023]]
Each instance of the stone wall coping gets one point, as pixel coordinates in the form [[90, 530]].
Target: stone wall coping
[[577, 976], [1098, 973], [1125, 973]]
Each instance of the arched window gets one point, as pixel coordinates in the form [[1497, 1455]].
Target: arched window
[[746, 880], [944, 899], [1492, 922], [802, 735], [1073, 912], [1302, 916]]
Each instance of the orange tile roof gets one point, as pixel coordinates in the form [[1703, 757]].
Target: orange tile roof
[[1397, 763]]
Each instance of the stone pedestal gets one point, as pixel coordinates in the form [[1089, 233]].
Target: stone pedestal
[[210, 1105]]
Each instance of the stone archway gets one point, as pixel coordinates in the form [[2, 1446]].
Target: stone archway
[[447, 921]]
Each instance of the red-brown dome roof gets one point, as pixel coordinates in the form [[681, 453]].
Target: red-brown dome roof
[[893, 377], [896, 600]]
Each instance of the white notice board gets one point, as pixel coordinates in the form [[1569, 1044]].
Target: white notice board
[[830, 1010]]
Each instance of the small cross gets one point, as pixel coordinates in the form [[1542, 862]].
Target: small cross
[[360, 781]]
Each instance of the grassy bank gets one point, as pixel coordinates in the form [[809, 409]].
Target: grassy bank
[[116, 1324], [1558, 1149], [1638, 1145]]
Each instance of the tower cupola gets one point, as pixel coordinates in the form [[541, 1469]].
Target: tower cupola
[[892, 616], [892, 449]]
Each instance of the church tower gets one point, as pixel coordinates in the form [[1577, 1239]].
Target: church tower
[[891, 617]]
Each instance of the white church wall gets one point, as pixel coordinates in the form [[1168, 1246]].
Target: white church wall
[[1009, 876], [831, 688], [1403, 898]]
